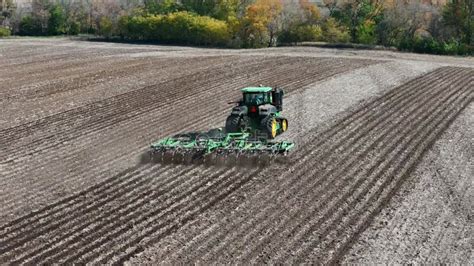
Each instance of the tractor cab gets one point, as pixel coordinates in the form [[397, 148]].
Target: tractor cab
[[256, 96]]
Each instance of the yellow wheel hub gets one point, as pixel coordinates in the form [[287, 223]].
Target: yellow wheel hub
[[274, 128], [284, 125]]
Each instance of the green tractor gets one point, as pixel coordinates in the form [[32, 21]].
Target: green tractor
[[249, 129], [259, 111]]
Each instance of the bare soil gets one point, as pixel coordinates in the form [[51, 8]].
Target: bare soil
[[379, 135]]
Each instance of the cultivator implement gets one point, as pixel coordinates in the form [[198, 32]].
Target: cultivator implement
[[250, 129], [230, 143]]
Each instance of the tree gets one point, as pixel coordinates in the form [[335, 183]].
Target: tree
[[262, 22], [310, 12], [300, 22], [401, 23], [359, 16], [40, 15], [201, 7], [29, 26], [57, 20], [334, 32], [459, 14], [105, 27], [6, 12], [162, 6]]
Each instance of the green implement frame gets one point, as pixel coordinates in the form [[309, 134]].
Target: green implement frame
[[225, 143]]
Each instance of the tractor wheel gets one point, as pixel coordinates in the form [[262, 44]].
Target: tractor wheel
[[232, 124], [270, 125], [284, 125]]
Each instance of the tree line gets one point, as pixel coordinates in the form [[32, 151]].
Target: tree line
[[407, 25]]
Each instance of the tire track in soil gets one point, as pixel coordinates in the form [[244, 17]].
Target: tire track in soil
[[338, 154], [304, 158]]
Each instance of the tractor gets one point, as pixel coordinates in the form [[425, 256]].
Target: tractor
[[259, 111], [249, 129]]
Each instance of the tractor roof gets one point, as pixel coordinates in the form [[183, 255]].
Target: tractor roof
[[256, 89]]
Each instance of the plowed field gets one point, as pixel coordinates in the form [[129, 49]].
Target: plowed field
[[76, 116]]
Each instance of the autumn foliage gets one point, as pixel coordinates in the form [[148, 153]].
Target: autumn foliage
[[253, 23]]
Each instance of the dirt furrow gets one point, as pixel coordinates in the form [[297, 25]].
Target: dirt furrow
[[95, 220], [347, 171], [363, 174], [99, 74], [422, 144], [27, 87], [132, 248], [95, 169], [173, 205], [368, 202], [126, 99], [330, 167], [101, 109], [20, 222], [36, 216], [293, 179], [56, 221], [137, 101], [230, 241], [168, 125], [104, 126], [71, 135]]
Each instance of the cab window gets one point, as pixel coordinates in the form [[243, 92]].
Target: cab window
[[257, 98]]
